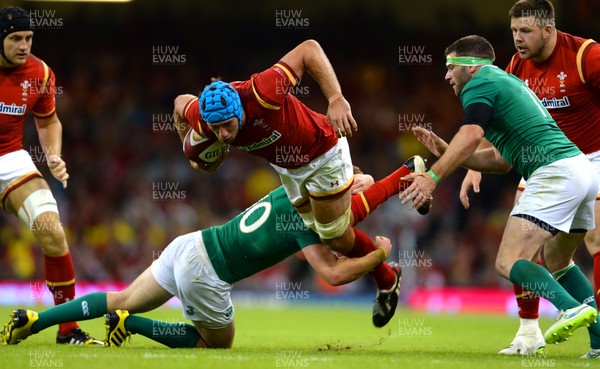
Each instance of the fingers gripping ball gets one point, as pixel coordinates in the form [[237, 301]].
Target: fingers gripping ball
[[203, 150]]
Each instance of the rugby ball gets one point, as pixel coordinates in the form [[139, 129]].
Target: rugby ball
[[201, 149]]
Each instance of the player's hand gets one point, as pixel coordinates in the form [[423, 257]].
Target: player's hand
[[361, 183], [419, 191], [383, 243], [340, 117], [58, 168], [428, 139], [472, 180]]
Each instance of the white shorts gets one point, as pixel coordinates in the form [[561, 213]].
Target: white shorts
[[327, 175], [594, 159], [561, 194], [16, 168], [185, 270]]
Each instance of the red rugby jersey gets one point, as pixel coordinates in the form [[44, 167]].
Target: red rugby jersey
[[568, 84], [278, 127], [27, 88]]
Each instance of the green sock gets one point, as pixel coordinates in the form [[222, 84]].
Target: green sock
[[173, 335], [578, 286], [84, 308], [537, 279]]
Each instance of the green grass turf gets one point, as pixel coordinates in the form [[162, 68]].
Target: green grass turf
[[311, 337]]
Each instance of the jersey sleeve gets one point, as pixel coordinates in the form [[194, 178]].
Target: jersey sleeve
[[308, 238], [46, 87], [271, 86], [591, 65], [512, 65]]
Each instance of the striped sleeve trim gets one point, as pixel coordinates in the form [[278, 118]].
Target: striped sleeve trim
[[580, 58]]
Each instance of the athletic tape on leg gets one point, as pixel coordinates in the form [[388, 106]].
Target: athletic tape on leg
[[309, 220], [335, 228], [38, 202]]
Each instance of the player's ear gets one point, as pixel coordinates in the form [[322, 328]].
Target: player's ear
[[547, 31]]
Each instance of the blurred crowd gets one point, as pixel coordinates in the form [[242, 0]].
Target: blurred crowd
[[131, 191]]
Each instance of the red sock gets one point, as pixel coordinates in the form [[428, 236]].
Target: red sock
[[527, 302], [60, 279], [384, 276], [367, 201], [596, 257]]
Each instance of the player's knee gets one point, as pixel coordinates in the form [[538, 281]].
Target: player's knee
[[502, 266], [592, 241], [39, 210], [39, 213], [334, 229]]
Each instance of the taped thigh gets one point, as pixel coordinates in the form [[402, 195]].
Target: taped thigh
[[38, 202], [309, 220], [333, 229]]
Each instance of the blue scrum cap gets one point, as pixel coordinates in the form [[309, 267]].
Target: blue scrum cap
[[219, 102]]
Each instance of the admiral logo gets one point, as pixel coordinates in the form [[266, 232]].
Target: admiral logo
[[12, 109], [555, 103], [262, 143]]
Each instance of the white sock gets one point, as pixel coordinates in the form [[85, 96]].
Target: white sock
[[528, 326]]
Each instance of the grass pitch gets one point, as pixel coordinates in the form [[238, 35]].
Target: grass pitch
[[311, 337]]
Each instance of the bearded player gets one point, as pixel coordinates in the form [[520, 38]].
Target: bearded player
[[564, 72], [261, 117], [27, 85]]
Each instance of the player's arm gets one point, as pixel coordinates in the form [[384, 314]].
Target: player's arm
[[341, 270], [309, 57], [592, 66], [463, 151], [49, 131], [181, 105], [472, 179], [181, 124]]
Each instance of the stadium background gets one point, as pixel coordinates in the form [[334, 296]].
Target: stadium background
[[119, 67]]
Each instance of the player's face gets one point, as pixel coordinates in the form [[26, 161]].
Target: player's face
[[17, 47], [457, 76], [225, 131], [529, 36]]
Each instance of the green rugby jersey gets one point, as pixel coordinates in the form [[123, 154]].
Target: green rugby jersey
[[521, 128], [261, 236]]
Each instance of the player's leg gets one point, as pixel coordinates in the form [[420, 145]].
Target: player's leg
[[183, 270], [592, 242], [529, 338], [555, 200], [215, 338], [320, 191], [520, 241], [386, 276], [592, 238], [573, 280], [569, 275], [367, 201], [143, 294], [29, 197]]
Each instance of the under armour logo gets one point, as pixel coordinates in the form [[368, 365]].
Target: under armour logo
[[333, 184]]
